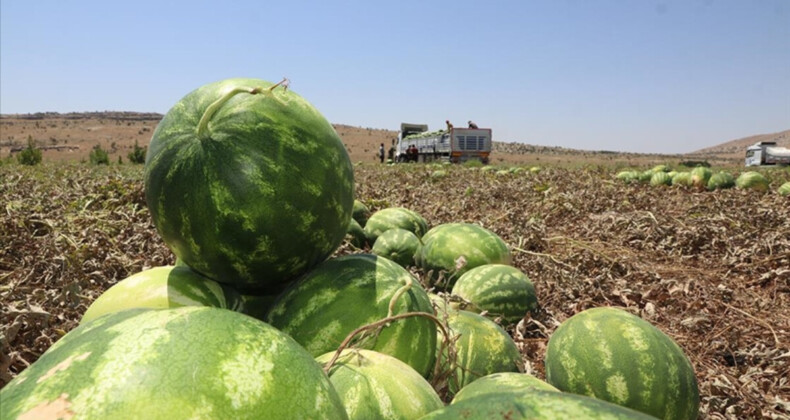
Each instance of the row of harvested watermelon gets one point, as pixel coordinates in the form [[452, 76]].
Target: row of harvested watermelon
[[148, 363], [701, 177]]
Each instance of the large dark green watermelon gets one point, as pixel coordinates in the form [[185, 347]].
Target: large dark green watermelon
[[248, 185], [185, 363]]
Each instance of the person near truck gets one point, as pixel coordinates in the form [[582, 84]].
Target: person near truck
[[472, 124], [381, 152], [449, 125]]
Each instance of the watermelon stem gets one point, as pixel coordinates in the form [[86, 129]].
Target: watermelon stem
[[379, 324], [202, 128], [398, 294]]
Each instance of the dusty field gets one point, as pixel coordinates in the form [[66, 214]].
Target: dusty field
[[711, 269]]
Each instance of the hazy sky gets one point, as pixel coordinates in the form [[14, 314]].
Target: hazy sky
[[649, 76]]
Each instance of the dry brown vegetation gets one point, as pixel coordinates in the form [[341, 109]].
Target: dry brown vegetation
[[711, 269]]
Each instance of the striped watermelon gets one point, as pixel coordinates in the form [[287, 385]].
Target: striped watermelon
[[345, 293], [482, 348], [609, 354], [356, 234], [752, 180], [360, 213], [373, 385], [682, 179], [398, 245], [257, 306], [784, 189], [500, 289], [700, 176], [502, 382], [184, 363], [720, 181], [537, 405], [247, 185], [452, 249], [163, 288], [394, 217], [660, 178]]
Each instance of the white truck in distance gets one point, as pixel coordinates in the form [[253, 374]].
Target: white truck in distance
[[457, 145], [767, 153]]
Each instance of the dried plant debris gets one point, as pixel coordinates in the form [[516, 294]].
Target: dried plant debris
[[710, 269]]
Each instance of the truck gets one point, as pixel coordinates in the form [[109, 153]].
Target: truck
[[454, 145], [767, 153]]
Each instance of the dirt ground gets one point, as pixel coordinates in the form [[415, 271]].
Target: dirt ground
[[710, 269]]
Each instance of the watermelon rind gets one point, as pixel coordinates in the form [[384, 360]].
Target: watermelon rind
[[163, 288], [497, 383], [392, 218], [373, 385], [258, 197], [360, 212], [752, 180], [184, 363], [449, 250], [482, 347], [356, 235], [348, 292], [398, 245], [610, 354], [501, 290], [537, 405]]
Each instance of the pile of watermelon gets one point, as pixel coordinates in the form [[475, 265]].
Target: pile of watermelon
[[253, 191]]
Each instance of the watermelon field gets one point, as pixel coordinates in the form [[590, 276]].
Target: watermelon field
[[711, 269]]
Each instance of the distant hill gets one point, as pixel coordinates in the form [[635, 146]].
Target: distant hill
[[71, 136], [737, 148]]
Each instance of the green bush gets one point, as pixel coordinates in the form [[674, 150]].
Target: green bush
[[30, 155], [137, 155], [98, 156], [473, 163]]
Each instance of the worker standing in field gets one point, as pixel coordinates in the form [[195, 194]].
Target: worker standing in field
[[381, 152], [472, 124]]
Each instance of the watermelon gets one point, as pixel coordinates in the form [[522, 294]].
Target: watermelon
[[451, 249], [438, 174], [482, 348], [682, 179], [356, 234], [247, 184], [784, 189], [660, 178], [502, 382], [609, 354], [183, 363], [628, 176], [394, 217], [257, 306], [373, 385], [345, 293], [645, 176], [398, 245], [163, 288], [537, 405], [661, 168], [500, 289], [752, 181], [721, 180], [360, 213], [700, 176]]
